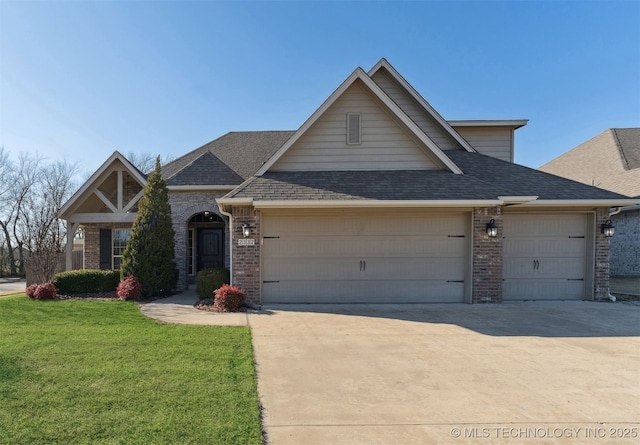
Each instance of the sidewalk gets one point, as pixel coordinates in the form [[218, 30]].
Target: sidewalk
[[179, 309]]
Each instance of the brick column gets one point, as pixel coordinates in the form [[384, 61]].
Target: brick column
[[246, 258], [601, 278], [487, 257]]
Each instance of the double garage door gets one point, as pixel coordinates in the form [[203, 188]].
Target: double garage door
[[364, 257], [545, 257]]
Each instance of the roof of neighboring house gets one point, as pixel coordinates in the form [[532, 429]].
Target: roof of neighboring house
[[610, 160], [235, 156], [484, 178]]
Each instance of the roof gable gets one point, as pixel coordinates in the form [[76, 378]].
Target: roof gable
[[384, 143], [411, 102], [114, 190], [243, 152], [431, 150], [205, 170]]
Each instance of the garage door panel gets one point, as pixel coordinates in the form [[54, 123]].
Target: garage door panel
[[363, 256], [392, 269], [544, 256], [549, 289], [351, 291], [544, 268], [366, 246], [545, 247]]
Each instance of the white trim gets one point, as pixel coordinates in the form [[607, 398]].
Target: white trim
[[511, 200], [439, 155], [86, 218], [511, 123], [133, 201], [383, 63], [375, 203], [105, 200], [581, 202], [89, 183], [230, 216], [194, 188]]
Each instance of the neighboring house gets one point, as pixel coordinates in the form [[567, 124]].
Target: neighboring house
[[610, 161], [375, 198]]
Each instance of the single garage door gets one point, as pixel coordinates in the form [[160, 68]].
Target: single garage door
[[370, 257], [544, 256]]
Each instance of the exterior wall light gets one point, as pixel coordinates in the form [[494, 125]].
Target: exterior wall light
[[607, 229], [246, 230], [492, 229]]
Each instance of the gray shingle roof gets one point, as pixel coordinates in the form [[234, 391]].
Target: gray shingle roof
[[629, 146], [485, 178], [243, 153], [206, 170]]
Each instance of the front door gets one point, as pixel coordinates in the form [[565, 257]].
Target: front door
[[210, 253]]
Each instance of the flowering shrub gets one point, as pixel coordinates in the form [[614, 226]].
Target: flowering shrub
[[44, 291], [228, 298], [129, 288]]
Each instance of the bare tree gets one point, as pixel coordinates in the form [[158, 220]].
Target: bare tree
[[145, 162], [42, 233]]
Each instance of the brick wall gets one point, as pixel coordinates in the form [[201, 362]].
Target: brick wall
[[246, 259], [183, 206], [487, 257], [92, 242], [601, 278], [625, 244]]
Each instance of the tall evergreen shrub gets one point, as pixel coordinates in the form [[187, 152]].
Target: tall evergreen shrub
[[150, 250]]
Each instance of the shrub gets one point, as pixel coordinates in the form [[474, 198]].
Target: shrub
[[208, 280], [31, 291], [228, 299], [129, 288], [44, 291], [86, 280]]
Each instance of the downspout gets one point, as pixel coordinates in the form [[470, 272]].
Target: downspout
[[230, 216], [613, 211]]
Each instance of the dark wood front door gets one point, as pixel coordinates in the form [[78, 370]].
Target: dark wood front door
[[210, 249]]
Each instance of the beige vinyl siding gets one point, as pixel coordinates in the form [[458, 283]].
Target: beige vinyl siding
[[384, 145], [364, 257], [496, 142], [413, 110]]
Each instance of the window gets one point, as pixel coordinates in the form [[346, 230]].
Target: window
[[353, 129], [119, 238]]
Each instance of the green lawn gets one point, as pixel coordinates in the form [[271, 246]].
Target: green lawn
[[98, 372]]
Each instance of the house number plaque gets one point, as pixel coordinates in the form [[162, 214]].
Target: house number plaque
[[246, 242]]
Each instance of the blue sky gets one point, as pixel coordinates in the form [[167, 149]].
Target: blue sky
[[80, 79]]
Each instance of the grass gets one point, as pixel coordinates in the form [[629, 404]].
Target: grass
[[98, 372]]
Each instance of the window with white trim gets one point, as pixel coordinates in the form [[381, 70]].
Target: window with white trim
[[353, 129], [119, 240]]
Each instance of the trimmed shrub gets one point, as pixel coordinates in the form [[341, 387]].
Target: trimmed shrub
[[208, 280], [129, 288], [228, 299], [44, 291], [86, 280]]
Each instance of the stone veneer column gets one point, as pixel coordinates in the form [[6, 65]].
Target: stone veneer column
[[601, 278], [246, 258], [487, 257]]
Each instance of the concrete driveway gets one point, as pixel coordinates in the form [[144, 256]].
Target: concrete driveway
[[538, 372], [9, 286]]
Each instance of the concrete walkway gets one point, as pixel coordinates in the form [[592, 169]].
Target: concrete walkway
[[179, 310]]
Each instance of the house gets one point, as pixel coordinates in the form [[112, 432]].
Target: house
[[375, 198], [611, 161]]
